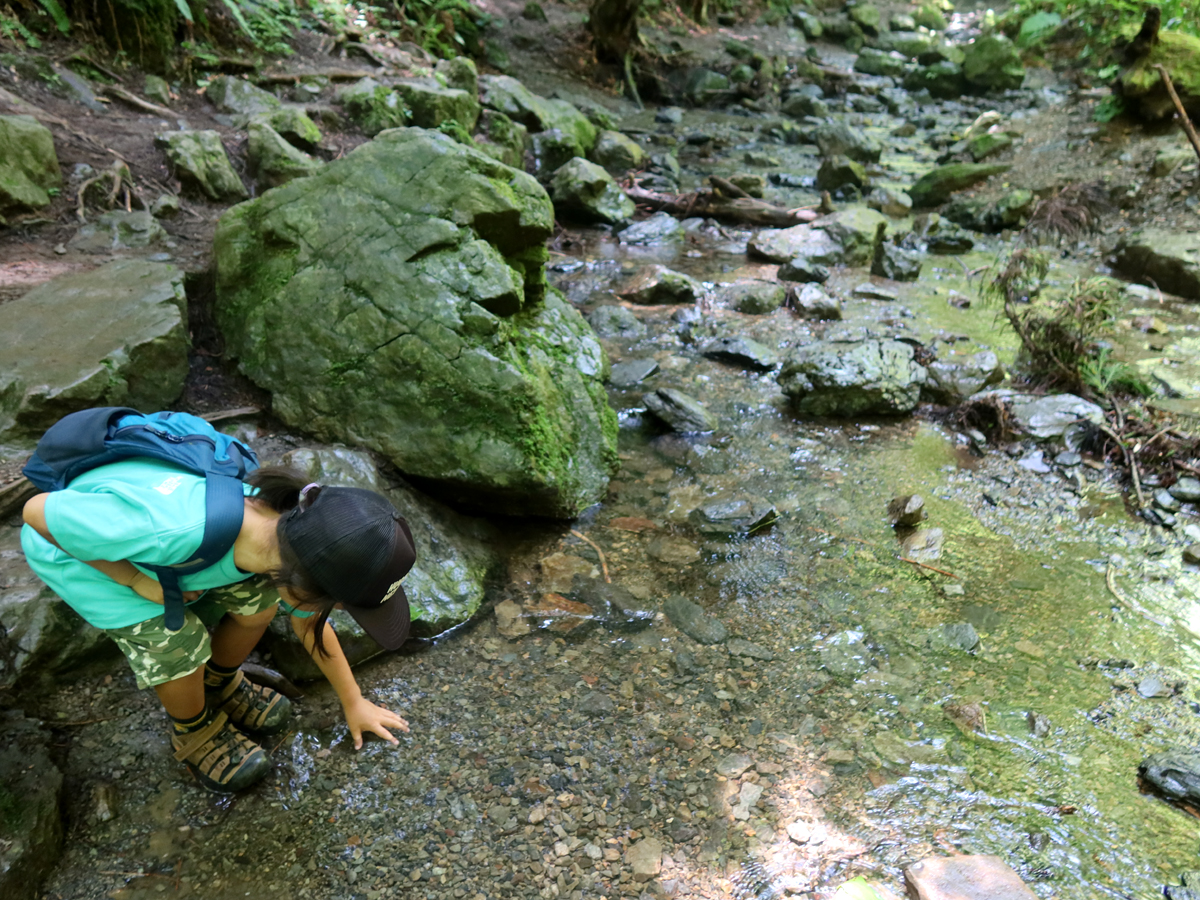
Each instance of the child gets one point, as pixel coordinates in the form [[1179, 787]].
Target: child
[[314, 547]]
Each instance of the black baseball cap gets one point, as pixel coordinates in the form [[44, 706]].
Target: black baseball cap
[[357, 548]]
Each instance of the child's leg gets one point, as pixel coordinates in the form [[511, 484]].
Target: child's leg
[[172, 662], [236, 635]]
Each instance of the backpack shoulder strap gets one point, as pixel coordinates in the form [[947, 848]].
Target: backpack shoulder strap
[[224, 506]]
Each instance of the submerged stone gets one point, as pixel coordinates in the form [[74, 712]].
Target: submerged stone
[[965, 878], [842, 380], [432, 337], [692, 620], [679, 411]]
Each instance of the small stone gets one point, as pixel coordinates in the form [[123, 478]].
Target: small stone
[[741, 647], [510, 619], [657, 284], [669, 115], [692, 620], [965, 878], [1164, 500], [645, 859], [679, 411], [742, 351], [810, 302], [596, 703], [632, 372], [1034, 462], [734, 765], [1068, 459], [804, 270], [749, 795], [870, 291], [908, 510], [1186, 489], [924, 545], [1191, 554]]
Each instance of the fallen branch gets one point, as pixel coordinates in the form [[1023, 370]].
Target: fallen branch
[[115, 90], [1183, 116], [1130, 462], [222, 414], [297, 77], [924, 566], [727, 187], [1110, 580], [744, 210], [599, 552]]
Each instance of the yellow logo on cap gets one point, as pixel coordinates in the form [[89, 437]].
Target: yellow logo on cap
[[388, 596]]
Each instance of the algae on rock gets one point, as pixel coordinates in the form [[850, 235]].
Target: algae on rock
[[1179, 54], [28, 164], [429, 332]]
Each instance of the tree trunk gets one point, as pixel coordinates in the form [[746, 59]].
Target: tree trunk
[[613, 24]]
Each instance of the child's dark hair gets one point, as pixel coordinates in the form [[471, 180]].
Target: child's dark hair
[[279, 488]]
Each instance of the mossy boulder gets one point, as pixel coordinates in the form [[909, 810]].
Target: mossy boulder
[[837, 171], [929, 15], [199, 159], [430, 104], [584, 191], [501, 138], [993, 63], [839, 139], [238, 97], [704, 86], [857, 231], [28, 165], [412, 274], [459, 72], [944, 80], [293, 124], [373, 107], [507, 95], [617, 153], [881, 62], [936, 187], [867, 16], [114, 336], [273, 161], [1179, 54], [855, 378]]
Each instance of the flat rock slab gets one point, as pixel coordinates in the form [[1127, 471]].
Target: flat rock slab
[[115, 336], [1168, 259], [965, 878], [631, 372]]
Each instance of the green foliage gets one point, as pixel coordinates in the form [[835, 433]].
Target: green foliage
[[1108, 108], [11, 28], [1059, 332], [57, 14], [454, 129], [1102, 24]]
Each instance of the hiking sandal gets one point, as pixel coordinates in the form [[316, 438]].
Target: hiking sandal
[[220, 757], [251, 707]]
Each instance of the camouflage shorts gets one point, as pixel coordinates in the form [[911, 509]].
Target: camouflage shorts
[[157, 655]]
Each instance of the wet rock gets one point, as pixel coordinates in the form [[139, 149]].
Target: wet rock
[[645, 859], [804, 270], [845, 654], [1140, 82], [118, 230], [896, 263], [430, 104], [237, 96], [839, 139], [907, 511], [742, 647], [801, 105], [114, 336], [1052, 415], [810, 302], [1163, 500], [753, 297], [614, 605], [731, 516], [704, 86], [559, 615], [979, 214], [28, 165], [936, 187], [1186, 489], [989, 144], [679, 411], [632, 372], [956, 636], [929, 15], [502, 139], [507, 95], [908, 42], [511, 621], [596, 704], [1153, 686], [923, 545], [869, 291], [272, 160], [781, 245], [1068, 459], [896, 204], [748, 796], [1039, 725], [199, 159], [753, 184], [1175, 774], [373, 107], [30, 789], [460, 73], [105, 805], [660, 228], [838, 171], [615, 322], [857, 232], [952, 380], [669, 115], [943, 80], [867, 16], [617, 153], [157, 90], [584, 190], [993, 63], [965, 878], [470, 255], [881, 62], [1167, 258], [657, 284], [693, 621], [843, 380], [741, 351], [559, 571]]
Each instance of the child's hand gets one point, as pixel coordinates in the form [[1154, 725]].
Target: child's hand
[[363, 715], [149, 589]]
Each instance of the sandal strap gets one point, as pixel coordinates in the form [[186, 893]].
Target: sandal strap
[[238, 677], [195, 739]]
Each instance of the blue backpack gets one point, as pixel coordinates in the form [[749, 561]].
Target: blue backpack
[[85, 440]]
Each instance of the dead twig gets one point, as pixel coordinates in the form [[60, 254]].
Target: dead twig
[[599, 552], [925, 566], [84, 722], [1110, 580], [1183, 116], [115, 90], [1130, 463]]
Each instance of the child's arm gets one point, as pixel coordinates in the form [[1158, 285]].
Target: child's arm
[[361, 714]]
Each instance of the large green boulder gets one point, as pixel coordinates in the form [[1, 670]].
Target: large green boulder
[[430, 104], [936, 187], [373, 107], [199, 159], [1179, 54], [583, 190], [28, 165], [705, 86], [993, 63], [855, 378], [114, 336], [397, 300]]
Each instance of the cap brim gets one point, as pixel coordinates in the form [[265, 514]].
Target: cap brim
[[387, 624]]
